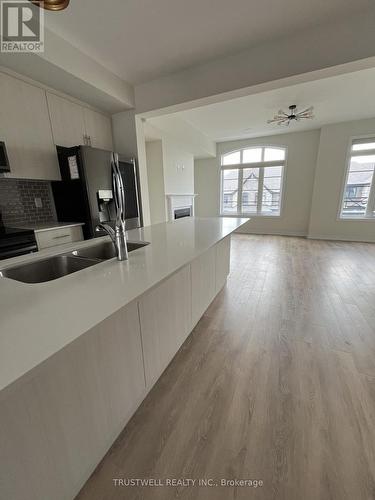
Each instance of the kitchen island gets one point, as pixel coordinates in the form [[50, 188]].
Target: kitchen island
[[80, 353]]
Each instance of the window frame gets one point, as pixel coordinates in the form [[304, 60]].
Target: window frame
[[349, 156], [261, 165]]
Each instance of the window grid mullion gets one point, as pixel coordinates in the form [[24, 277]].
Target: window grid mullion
[[363, 152], [260, 190], [371, 199], [240, 185], [254, 165]]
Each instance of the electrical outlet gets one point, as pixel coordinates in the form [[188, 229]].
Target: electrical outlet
[[38, 202]]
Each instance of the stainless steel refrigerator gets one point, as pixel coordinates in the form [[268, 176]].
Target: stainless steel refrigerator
[[84, 193]]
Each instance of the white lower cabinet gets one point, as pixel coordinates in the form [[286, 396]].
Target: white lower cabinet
[[165, 315], [202, 283], [222, 263], [57, 426], [171, 309]]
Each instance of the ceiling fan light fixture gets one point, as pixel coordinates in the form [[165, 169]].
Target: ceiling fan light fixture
[[54, 5], [285, 118]]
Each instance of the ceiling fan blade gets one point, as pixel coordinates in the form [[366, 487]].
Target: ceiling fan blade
[[277, 121], [306, 115], [273, 120], [285, 121], [307, 110], [277, 118]]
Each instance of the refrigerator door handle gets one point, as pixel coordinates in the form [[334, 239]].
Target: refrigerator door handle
[[118, 190], [136, 188]]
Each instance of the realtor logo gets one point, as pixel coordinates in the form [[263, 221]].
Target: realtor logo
[[22, 26]]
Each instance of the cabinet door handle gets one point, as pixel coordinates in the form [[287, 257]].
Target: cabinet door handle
[[61, 236], [87, 140]]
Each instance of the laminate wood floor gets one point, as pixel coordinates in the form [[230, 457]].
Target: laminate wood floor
[[276, 383]]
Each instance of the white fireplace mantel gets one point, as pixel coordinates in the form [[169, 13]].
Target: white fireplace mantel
[[179, 200]]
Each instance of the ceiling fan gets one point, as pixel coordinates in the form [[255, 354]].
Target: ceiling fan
[[285, 118], [51, 4]]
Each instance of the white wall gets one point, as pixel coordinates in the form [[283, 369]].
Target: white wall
[[207, 185], [329, 179], [155, 174], [299, 179], [181, 131], [177, 164], [178, 168]]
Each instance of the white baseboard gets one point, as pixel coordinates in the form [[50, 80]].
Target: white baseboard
[[301, 234], [338, 238]]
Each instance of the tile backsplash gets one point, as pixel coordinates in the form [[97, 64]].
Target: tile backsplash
[[17, 201]]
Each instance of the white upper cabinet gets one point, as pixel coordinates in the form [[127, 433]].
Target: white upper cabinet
[[33, 121], [98, 129], [67, 121], [73, 124], [25, 128]]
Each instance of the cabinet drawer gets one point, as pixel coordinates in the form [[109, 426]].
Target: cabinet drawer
[[58, 236]]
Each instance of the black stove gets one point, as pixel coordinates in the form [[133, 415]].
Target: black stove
[[6, 232], [16, 241]]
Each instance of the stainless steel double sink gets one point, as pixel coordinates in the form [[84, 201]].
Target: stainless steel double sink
[[55, 267]]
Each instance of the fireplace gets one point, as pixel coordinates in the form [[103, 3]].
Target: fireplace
[[182, 212], [180, 205]]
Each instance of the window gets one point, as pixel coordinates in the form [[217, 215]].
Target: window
[[358, 199], [251, 181]]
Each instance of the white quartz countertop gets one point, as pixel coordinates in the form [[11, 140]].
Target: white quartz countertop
[[37, 320], [47, 226]]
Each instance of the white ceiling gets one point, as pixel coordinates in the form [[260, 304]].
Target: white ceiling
[[140, 40], [336, 99]]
